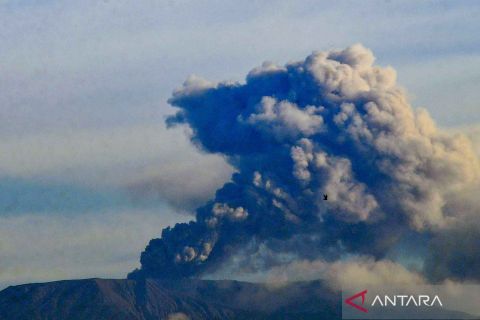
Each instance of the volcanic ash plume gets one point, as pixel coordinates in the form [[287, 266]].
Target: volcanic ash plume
[[332, 124]]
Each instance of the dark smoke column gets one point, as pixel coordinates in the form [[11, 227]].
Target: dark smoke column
[[333, 123]]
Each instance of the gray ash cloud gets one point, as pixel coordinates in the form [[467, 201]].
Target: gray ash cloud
[[336, 124]]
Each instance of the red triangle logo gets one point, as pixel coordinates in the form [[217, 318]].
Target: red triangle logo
[[350, 302]]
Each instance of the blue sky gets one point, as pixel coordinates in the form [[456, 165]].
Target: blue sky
[[84, 156]]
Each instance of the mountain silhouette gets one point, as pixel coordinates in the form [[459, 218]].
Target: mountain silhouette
[[168, 299]]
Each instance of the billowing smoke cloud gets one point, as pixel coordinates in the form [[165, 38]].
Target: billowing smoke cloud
[[333, 124], [351, 274]]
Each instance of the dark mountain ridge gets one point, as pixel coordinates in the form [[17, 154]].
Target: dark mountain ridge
[[167, 299]]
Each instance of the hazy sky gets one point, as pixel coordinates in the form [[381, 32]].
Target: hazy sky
[[84, 154]]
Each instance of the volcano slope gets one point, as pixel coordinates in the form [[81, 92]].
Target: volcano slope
[[168, 299]]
